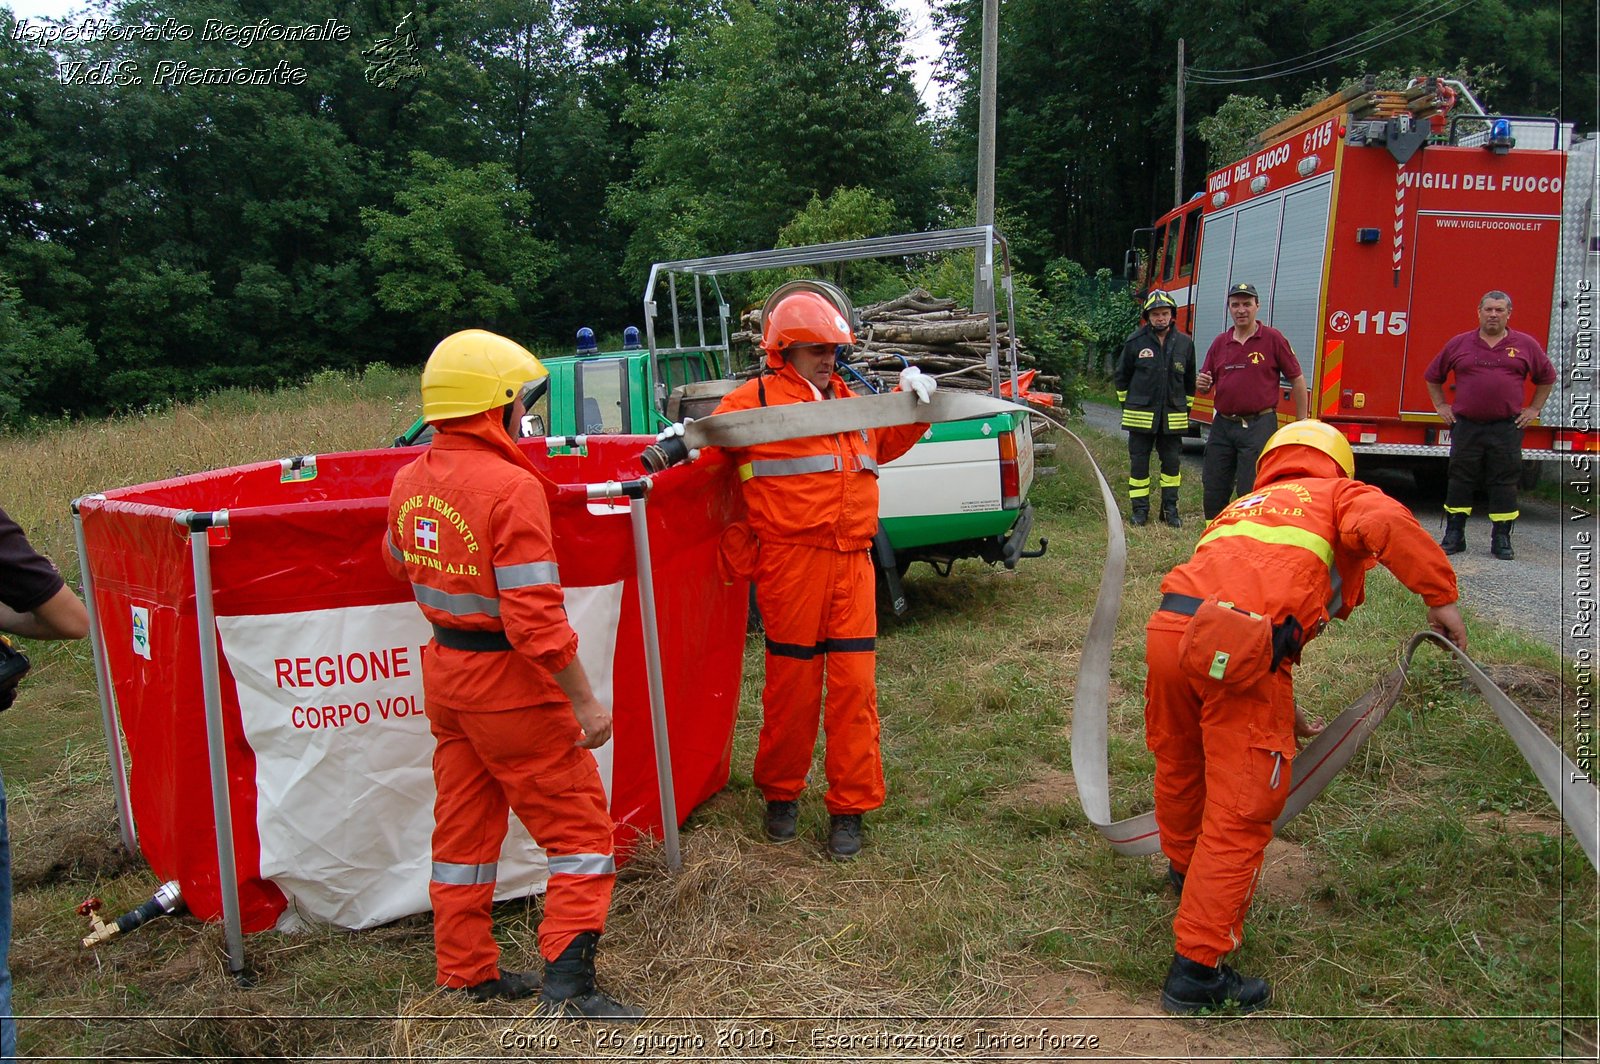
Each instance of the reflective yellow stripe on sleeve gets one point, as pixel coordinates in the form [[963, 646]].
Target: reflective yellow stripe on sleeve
[[1284, 535]]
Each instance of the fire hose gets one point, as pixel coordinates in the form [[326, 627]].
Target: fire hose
[[1574, 795]]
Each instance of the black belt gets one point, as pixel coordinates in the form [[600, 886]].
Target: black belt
[[1287, 637], [1245, 419], [1184, 604], [460, 639]]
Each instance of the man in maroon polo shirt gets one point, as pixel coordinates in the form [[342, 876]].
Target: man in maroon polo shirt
[[1492, 365], [1244, 364]]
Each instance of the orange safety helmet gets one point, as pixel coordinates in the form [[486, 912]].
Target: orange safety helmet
[[805, 316]]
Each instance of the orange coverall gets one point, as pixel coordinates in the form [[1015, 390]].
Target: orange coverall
[[1298, 545], [813, 509], [469, 528]]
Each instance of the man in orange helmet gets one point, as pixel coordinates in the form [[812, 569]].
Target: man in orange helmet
[[1220, 716], [813, 506], [510, 707]]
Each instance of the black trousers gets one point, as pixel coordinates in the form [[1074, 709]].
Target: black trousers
[[1229, 467], [1486, 454], [1168, 448]]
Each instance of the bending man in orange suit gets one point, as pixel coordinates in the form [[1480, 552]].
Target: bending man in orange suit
[[511, 710], [813, 506], [1220, 715]]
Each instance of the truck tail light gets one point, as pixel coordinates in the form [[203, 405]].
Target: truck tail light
[[1010, 474], [1359, 433], [1568, 440]]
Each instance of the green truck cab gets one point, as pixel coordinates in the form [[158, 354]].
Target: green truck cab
[[960, 492]]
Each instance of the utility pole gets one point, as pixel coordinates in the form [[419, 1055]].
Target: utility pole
[[986, 94], [1177, 166]]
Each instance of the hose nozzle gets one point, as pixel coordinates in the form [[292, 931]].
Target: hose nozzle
[[166, 901], [663, 453]]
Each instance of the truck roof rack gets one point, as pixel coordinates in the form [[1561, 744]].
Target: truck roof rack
[[985, 241]]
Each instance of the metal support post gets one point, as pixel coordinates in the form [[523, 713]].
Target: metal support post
[[636, 492], [102, 675], [198, 526]]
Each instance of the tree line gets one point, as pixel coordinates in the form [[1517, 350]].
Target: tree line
[[241, 208]]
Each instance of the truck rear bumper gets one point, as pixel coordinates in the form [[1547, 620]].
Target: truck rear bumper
[[1421, 450], [1006, 548], [1013, 547]]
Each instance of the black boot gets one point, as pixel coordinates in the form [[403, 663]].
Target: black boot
[[844, 836], [1455, 534], [1140, 512], [569, 988], [1500, 540], [1195, 987], [1169, 508], [782, 817], [507, 986], [1176, 878]]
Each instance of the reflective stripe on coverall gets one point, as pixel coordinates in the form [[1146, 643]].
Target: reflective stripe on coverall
[[813, 508], [469, 527], [1224, 753]]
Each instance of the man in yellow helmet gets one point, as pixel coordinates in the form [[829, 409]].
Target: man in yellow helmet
[[510, 708], [1220, 716]]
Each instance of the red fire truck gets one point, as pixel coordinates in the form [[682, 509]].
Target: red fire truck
[[1371, 241]]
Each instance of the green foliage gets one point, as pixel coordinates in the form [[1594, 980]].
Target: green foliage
[[453, 253], [779, 101], [177, 237], [845, 214], [1098, 311], [40, 360], [1229, 130]]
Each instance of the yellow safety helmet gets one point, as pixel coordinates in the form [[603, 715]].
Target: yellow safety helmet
[[473, 371], [1319, 436]]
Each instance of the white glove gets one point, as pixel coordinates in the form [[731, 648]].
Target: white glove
[[676, 429], [913, 379]]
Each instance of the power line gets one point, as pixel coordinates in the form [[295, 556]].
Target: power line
[[1314, 53], [1347, 54]]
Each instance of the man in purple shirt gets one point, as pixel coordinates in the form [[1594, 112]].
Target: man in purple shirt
[[1491, 365], [1244, 363]]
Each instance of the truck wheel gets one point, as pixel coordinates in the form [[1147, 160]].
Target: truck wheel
[[1532, 473]]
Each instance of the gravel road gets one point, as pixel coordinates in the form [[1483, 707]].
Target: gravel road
[[1547, 593]]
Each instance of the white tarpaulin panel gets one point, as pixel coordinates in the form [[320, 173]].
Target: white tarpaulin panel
[[331, 703]]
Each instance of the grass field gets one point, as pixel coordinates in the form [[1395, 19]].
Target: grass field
[[1428, 905]]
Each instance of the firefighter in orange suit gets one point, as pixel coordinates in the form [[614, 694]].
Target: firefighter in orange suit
[[512, 713], [1220, 717], [813, 506]]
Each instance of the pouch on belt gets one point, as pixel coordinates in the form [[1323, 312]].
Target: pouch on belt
[[1227, 644]]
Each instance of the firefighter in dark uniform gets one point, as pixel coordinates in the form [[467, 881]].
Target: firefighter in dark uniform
[[1155, 385]]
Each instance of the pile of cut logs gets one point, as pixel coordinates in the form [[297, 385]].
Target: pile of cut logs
[[936, 335]]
